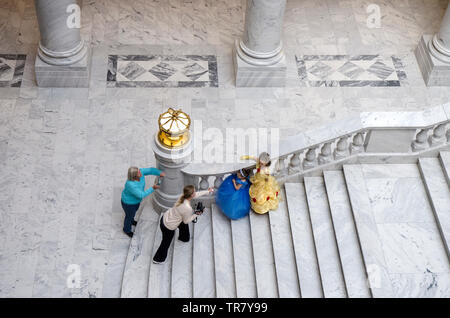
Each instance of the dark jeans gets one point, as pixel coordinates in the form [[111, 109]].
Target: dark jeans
[[167, 236], [130, 212]]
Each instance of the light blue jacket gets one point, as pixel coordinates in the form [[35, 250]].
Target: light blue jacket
[[134, 192]]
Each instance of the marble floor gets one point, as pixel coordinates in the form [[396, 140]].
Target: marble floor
[[64, 152]]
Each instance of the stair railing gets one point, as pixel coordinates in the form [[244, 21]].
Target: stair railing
[[370, 137]]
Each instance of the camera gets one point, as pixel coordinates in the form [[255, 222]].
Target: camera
[[158, 181], [199, 208]]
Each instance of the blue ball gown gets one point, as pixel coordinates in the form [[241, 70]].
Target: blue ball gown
[[235, 204]]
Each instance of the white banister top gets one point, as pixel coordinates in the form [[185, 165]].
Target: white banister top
[[428, 117], [333, 131]]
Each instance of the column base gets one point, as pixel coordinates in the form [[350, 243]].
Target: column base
[[435, 72], [250, 75], [74, 75], [162, 202]]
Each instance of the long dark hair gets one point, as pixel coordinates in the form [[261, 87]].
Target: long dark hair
[[244, 172]]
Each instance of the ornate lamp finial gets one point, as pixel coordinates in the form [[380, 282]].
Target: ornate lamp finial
[[174, 128]]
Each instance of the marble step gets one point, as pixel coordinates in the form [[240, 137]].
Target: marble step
[[113, 276], [444, 157], [159, 281], [439, 194], [223, 254], [324, 238], [203, 276], [369, 238], [137, 268], [347, 239], [244, 266], [266, 278], [283, 250], [182, 267], [303, 241]]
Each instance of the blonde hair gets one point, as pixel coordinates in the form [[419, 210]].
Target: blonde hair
[[133, 173], [187, 193]]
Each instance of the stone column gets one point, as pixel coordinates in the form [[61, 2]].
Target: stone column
[[171, 161], [433, 54], [62, 59], [259, 58]]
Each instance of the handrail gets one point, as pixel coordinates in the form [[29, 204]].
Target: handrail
[[357, 126]]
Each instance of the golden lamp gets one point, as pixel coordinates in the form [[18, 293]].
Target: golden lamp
[[174, 128]]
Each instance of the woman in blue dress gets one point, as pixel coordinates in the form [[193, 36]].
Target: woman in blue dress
[[232, 196]]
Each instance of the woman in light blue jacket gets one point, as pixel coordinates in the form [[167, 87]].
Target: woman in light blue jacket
[[134, 192]]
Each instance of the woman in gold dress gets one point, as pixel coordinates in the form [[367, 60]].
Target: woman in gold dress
[[264, 190]]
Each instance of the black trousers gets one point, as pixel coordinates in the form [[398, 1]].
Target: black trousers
[[167, 236]]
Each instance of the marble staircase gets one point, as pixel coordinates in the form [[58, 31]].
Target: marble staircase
[[325, 240]]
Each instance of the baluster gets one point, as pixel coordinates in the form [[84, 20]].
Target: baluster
[[438, 136], [325, 153], [281, 167], [341, 150], [357, 144], [294, 163], [421, 141], [204, 184], [195, 181], [218, 181], [310, 158]]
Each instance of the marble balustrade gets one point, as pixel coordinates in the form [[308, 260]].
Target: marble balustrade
[[375, 135]]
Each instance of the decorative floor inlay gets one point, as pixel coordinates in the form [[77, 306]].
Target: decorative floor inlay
[[162, 71], [347, 70], [11, 69]]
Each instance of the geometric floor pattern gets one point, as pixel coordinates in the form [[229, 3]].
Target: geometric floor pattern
[[346, 70], [162, 71], [11, 69]]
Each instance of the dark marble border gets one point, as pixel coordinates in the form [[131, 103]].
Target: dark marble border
[[112, 68], [16, 81], [399, 68], [158, 84], [111, 77], [339, 57], [303, 74], [353, 83]]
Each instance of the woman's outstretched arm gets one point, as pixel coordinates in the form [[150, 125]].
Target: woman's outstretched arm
[[236, 186], [150, 171]]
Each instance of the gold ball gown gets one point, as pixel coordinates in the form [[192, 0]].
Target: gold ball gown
[[264, 191]]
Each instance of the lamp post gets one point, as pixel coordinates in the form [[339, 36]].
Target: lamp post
[[173, 148]]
